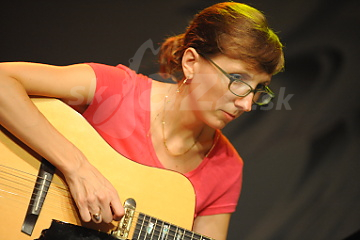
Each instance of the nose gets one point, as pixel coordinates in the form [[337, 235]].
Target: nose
[[244, 103]]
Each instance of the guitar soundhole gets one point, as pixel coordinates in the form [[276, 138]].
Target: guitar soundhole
[[61, 230]]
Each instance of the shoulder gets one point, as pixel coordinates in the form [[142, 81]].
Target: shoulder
[[101, 69], [113, 78]]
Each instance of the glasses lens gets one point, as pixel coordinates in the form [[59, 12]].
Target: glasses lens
[[239, 88], [262, 98]]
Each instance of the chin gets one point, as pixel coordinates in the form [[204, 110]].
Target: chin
[[219, 124]]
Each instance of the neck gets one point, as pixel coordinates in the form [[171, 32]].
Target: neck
[[178, 115], [181, 129]]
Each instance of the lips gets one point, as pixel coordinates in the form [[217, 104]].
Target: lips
[[229, 116]]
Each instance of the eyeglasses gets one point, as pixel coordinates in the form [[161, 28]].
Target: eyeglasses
[[262, 94]]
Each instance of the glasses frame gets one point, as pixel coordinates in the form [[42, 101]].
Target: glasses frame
[[251, 90]]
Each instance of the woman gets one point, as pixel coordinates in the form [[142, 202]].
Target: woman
[[222, 64]]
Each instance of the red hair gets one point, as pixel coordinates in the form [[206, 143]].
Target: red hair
[[234, 29]]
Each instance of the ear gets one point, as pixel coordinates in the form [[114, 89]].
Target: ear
[[189, 60]]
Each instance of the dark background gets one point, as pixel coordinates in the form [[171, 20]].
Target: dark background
[[301, 154]]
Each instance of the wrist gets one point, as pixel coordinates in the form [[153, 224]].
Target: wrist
[[70, 160]]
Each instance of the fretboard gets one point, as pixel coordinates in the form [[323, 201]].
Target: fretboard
[[150, 228]]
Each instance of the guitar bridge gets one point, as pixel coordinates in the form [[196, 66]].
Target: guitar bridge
[[40, 190], [123, 229]]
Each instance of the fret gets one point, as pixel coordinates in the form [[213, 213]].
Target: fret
[[157, 230], [164, 231], [139, 226], [192, 235], [180, 234], [198, 237], [153, 234], [150, 228], [161, 231], [188, 235], [173, 232]]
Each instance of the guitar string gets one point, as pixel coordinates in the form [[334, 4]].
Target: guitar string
[[25, 173], [171, 232], [158, 232], [22, 200], [145, 221], [55, 191], [19, 191], [50, 211], [32, 178], [60, 189], [135, 226], [51, 199], [26, 188]]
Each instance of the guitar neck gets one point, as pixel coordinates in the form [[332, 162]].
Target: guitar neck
[[147, 227]]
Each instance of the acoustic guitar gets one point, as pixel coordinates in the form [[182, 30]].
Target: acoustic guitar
[[159, 203]]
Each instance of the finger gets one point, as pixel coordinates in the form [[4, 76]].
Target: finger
[[84, 213], [107, 215], [117, 209], [107, 212], [95, 212], [111, 206]]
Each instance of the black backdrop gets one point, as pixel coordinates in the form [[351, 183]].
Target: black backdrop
[[301, 154]]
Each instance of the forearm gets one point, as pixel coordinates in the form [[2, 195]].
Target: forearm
[[91, 191], [20, 116], [214, 226]]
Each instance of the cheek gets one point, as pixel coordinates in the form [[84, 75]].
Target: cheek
[[224, 99], [209, 90]]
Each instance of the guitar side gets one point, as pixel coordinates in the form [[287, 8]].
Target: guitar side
[[164, 194]]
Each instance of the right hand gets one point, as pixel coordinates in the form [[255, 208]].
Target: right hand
[[94, 194]]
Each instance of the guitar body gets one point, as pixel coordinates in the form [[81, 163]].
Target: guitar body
[[160, 193]]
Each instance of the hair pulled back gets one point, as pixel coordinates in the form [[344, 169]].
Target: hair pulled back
[[234, 29]]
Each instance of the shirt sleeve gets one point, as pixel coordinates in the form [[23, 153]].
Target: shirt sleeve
[[119, 110], [227, 200], [218, 180], [113, 103]]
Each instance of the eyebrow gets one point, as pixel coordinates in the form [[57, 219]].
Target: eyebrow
[[242, 73], [247, 77]]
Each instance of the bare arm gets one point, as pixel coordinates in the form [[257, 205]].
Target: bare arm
[[214, 226], [90, 190]]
